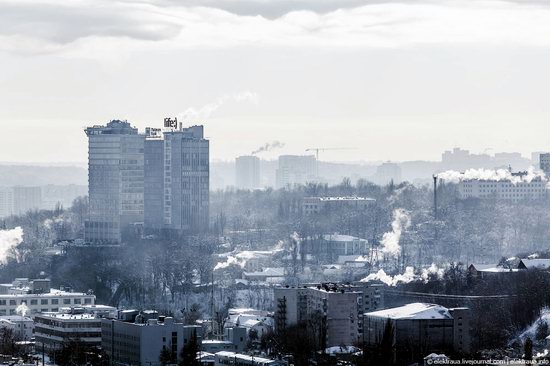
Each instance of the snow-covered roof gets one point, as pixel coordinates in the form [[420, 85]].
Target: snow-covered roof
[[267, 272], [491, 268], [435, 356], [536, 263], [342, 350], [340, 237], [415, 311]]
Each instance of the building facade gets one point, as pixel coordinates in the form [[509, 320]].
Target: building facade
[[535, 189], [56, 329], [247, 172], [186, 180], [316, 205], [24, 297], [141, 342], [420, 327], [296, 169], [115, 181]]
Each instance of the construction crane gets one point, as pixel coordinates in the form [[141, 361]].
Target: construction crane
[[318, 149]]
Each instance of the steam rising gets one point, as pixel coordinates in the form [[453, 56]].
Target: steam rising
[[407, 277], [390, 240], [381, 275], [192, 114], [269, 146], [452, 176], [9, 239], [22, 309]]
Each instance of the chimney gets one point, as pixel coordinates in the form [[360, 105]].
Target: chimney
[[435, 196]]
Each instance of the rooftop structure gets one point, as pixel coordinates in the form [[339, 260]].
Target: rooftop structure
[[537, 263], [224, 358], [315, 205]]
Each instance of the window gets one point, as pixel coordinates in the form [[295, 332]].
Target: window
[[34, 302], [77, 301], [55, 301], [87, 301], [13, 302], [2, 302], [44, 302], [66, 301]]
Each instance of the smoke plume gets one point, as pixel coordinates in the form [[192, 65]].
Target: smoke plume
[[390, 240], [381, 276], [9, 239], [452, 176], [22, 309], [269, 146], [204, 112]]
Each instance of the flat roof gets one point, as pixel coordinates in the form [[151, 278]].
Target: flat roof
[[415, 311]]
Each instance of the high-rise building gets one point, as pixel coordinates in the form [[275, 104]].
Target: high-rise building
[[6, 202], [26, 199], [115, 181], [186, 180], [177, 173], [388, 172], [247, 172], [296, 169], [544, 163]]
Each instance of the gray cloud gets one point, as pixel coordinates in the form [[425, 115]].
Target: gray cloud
[[62, 23]]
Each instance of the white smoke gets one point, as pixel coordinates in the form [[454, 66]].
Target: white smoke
[[407, 277], [390, 240], [204, 112], [381, 275], [433, 270], [453, 176], [22, 309], [269, 146], [9, 239]]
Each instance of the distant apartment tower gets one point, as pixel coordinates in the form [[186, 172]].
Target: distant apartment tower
[[6, 202], [296, 169], [544, 162], [115, 181], [247, 172], [388, 172], [26, 199]]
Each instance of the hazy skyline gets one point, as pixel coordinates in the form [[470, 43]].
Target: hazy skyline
[[398, 80]]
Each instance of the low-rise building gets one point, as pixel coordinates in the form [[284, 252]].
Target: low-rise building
[[332, 246], [536, 263], [32, 297], [22, 326], [231, 358], [140, 339], [340, 308], [485, 270], [315, 205], [54, 330], [420, 327], [519, 188]]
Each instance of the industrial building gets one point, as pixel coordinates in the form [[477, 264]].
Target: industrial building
[[333, 246], [420, 327], [26, 297], [296, 169], [22, 326], [56, 329], [115, 181], [247, 172], [138, 338], [316, 205]]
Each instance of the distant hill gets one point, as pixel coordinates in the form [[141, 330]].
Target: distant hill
[[26, 175]]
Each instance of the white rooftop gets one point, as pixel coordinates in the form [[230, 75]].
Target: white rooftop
[[243, 357], [343, 198], [415, 311], [536, 263], [340, 237]]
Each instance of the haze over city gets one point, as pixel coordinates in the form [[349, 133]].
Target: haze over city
[[400, 80], [274, 182]]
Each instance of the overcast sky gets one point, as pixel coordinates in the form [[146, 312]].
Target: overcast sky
[[397, 80]]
